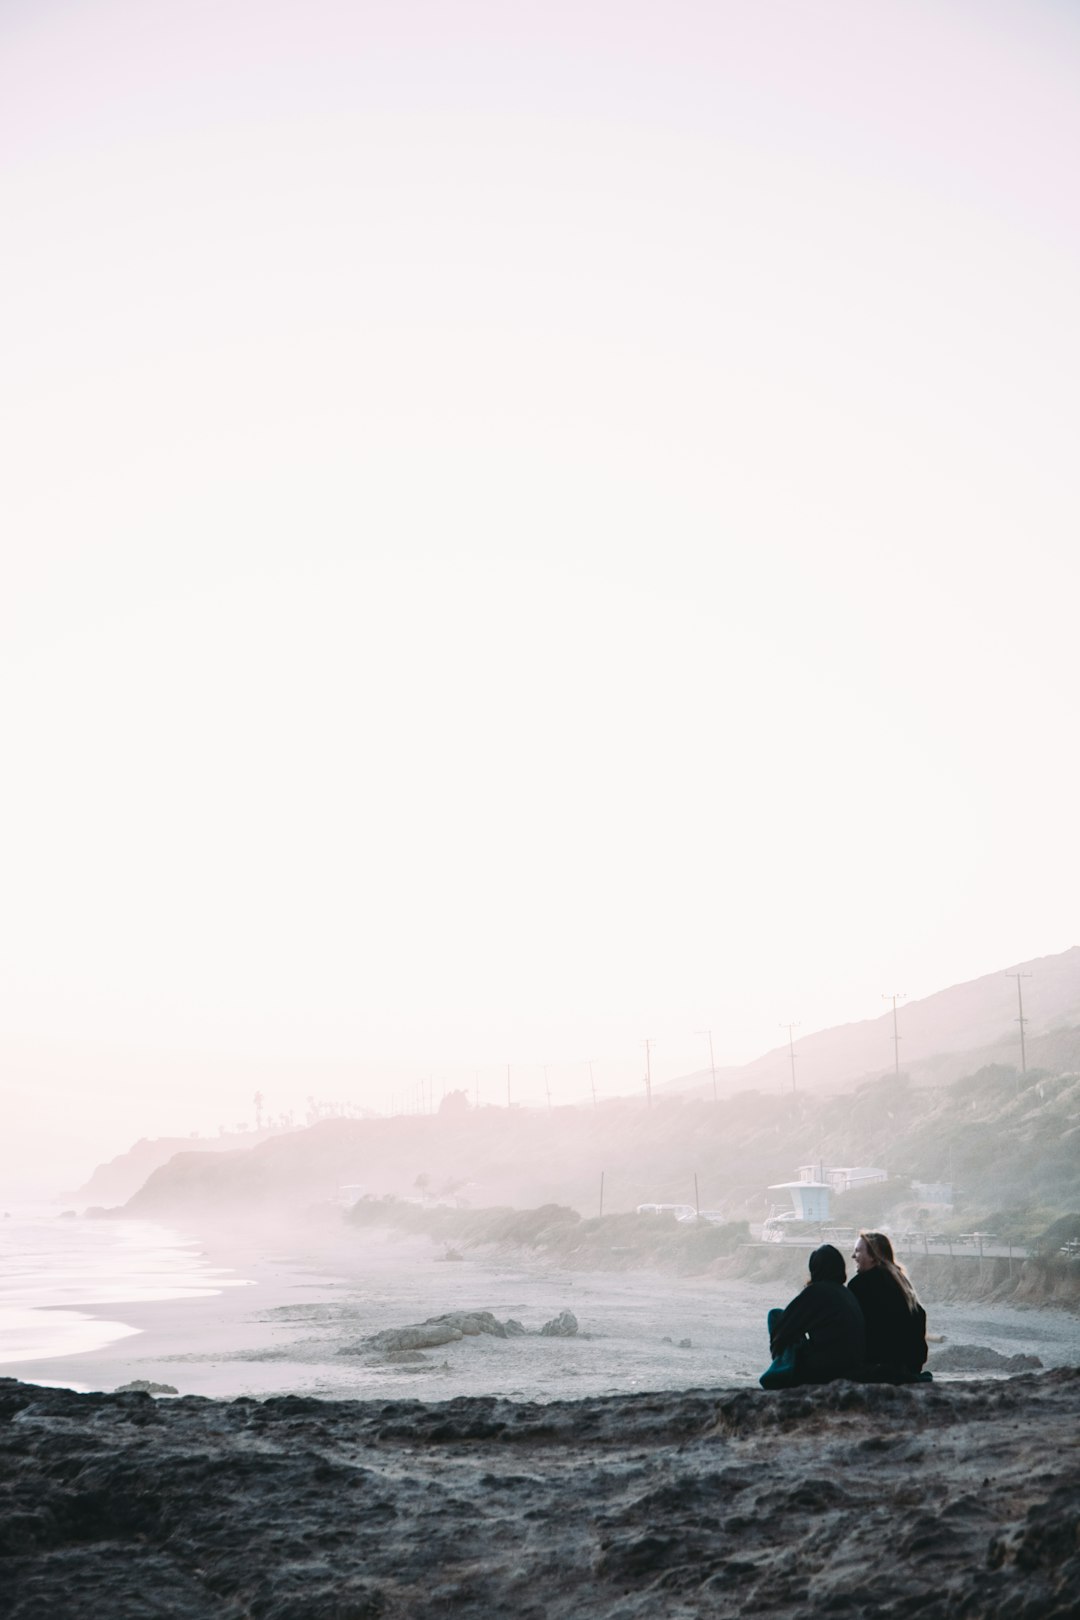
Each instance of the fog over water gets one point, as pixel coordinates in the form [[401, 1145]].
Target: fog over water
[[527, 531]]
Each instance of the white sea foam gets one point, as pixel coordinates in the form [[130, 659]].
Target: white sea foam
[[51, 1264]]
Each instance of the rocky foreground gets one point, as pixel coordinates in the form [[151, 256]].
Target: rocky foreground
[[958, 1500]]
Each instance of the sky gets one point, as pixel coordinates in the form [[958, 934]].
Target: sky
[[525, 528]]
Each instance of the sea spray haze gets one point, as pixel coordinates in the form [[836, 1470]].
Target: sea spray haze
[[527, 531]]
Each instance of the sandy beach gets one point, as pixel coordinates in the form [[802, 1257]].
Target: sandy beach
[[298, 1322], [615, 1474]]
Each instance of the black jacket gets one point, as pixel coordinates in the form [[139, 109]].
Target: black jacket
[[895, 1336], [825, 1325]]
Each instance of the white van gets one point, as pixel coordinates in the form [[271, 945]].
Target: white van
[[681, 1212]]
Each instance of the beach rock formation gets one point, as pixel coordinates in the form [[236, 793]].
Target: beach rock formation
[[976, 1358], [952, 1502], [436, 1330], [563, 1326], [417, 1336]]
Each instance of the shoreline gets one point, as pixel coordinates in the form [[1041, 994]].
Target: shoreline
[[299, 1326]]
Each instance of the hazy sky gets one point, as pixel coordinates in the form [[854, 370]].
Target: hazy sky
[[525, 526]]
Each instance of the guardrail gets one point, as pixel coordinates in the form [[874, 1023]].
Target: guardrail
[[966, 1246]]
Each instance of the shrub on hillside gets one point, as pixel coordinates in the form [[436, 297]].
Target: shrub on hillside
[[531, 1226], [1060, 1232]]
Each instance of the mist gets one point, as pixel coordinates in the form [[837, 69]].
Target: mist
[[526, 535]]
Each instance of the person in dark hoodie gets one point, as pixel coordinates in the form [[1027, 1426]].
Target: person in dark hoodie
[[895, 1321], [821, 1335]]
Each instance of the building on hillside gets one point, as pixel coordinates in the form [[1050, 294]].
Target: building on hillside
[[810, 1194], [847, 1178], [810, 1199]]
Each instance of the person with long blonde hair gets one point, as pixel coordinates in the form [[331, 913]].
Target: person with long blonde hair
[[895, 1320]]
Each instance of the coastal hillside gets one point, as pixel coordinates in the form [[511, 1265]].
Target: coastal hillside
[[1009, 1144], [116, 1181], [942, 1036]]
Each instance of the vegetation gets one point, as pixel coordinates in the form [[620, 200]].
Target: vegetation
[[605, 1241], [1008, 1144]]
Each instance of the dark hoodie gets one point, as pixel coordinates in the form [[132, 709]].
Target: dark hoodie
[[825, 1325]]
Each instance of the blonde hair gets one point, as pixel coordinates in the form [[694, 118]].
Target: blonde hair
[[881, 1251]]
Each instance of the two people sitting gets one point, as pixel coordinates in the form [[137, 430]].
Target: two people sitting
[[872, 1330]]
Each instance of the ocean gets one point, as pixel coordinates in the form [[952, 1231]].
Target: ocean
[[51, 1264]]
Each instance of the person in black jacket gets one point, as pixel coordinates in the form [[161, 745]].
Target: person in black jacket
[[895, 1321], [820, 1335]]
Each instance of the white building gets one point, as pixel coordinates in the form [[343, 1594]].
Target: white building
[[810, 1199]]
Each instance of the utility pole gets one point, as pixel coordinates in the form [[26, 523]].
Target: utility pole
[[712, 1060], [791, 1047], [1021, 1020], [592, 1082], [648, 1073], [508, 1085], [547, 1088], [898, 995]]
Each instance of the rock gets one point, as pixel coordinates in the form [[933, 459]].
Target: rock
[[978, 1358], [445, 1329], [406, 1358], [423, 1336], [471, 1323], [684, 1344], [451, 1254], [710, 1504], [513, 1327], [563, 1326], [145, 1386]]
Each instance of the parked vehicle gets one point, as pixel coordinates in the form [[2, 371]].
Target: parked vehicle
[[681, 1212]]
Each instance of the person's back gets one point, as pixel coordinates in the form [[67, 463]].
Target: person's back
[[895, 1321], [821, 1334], [836, 1334]]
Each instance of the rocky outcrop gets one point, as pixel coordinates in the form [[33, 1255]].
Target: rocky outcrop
[[563, 1326], [976, 1358], [952, 1502], [436, 1330]]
